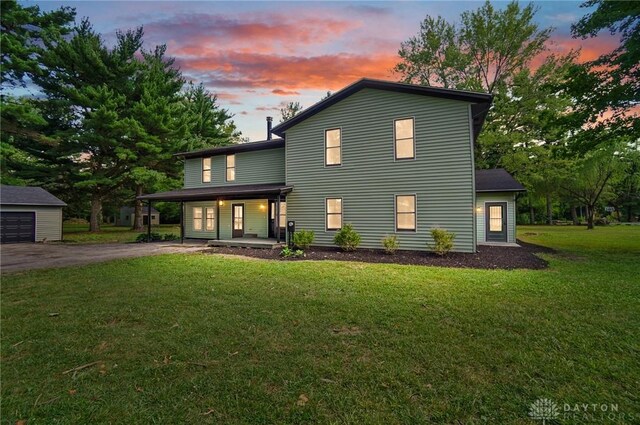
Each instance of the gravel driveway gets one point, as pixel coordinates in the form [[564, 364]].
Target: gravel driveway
[[29, 256]]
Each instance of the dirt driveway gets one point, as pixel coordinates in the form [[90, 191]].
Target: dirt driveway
[[22, 257]]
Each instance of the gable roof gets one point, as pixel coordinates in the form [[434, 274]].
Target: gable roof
[[238, 147], [25, 195], [481, 101], [497, 180]]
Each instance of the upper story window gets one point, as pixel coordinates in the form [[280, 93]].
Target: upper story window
[[206, 170], [334, 213], [405, 212], [333, 147], [405, 147], [231, 168]]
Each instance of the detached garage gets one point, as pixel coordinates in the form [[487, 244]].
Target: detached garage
[[29, 214]]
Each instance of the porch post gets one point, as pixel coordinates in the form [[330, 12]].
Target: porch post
[[278, 220], [149, 221], [181, 222], [218, 218]]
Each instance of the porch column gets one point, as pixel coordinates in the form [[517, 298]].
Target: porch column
[[149, 221], [218, 218], [278, 220], [181, 222]]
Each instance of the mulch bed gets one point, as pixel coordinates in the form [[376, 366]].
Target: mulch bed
[[487, 257]]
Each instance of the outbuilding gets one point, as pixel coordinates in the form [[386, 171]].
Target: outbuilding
[[29, 214], [128, 216]]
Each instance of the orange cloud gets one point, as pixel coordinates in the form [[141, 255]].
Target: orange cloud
[[326, 72], [281, 92]]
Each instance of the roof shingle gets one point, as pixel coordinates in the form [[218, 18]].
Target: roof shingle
[[497, 180], [25, 195]]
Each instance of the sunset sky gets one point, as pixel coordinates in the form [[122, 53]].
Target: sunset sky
[[256, 55]]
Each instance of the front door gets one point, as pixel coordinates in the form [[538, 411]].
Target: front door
[[496, 221], [272, 219], [238, 220]]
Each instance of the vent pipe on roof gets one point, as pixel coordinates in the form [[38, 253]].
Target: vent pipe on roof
[[269, 121]]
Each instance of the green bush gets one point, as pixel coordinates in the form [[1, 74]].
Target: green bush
[[443, 241], [390, 244], [143, 237], [303, 238], [347, 238], [170, 237], [288, 252]]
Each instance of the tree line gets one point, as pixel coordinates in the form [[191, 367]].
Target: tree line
[[99, 121]]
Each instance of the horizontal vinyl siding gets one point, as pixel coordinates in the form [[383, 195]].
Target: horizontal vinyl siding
[[507, 197], [259, 167], [255, 220], [369, 177], [48, 221]]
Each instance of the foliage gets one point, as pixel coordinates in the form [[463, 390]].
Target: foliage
[[443, 241], [347, 238], [290, 253], [390, 244], [144, 237], [290, 110], [303, 238], [170, 237]]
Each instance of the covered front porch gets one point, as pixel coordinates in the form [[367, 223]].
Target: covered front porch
[[235, 215]]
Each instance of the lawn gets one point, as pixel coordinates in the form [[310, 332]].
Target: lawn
[[207, 339], [79, 233]]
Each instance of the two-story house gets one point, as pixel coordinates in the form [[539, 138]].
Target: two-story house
[[387, 157]]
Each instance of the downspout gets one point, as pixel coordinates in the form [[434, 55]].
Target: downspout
[[474, 224]]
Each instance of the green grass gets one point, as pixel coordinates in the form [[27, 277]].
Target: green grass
[[79, 233], [207, 339]]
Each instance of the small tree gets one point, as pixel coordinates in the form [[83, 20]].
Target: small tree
[[290, 110], [347, 238], [443, 241]]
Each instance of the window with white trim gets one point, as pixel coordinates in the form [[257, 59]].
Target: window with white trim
[[405, 212], [404, 141], [209, 214], [333, 147], [231, 168], [206, 170], [197, 218], [334, 213]]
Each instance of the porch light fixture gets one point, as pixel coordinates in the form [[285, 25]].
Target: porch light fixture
[[262, 207], [221, 203]]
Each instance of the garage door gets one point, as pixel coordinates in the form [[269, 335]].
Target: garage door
[[18, 227]]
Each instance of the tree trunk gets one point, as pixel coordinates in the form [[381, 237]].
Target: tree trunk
[[96, 213], [549, 214], [574, 215], [137, 222], [532, 212], [590, 213]]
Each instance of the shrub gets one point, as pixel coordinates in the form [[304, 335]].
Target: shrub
[[303, 238], [143, 237], [443, 240], [288, 252], [347, 238], [390, 244], [169, 237]]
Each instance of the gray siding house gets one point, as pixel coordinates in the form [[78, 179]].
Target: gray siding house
[[29, 214], [389, 158]]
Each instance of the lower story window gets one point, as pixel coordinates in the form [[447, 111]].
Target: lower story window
[[210, 219], [334, 213], [197, 218], [405, 212]]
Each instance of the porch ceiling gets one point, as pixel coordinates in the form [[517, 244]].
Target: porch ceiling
[[224, 192]]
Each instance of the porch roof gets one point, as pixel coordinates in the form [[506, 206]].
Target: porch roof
[[223, 192]]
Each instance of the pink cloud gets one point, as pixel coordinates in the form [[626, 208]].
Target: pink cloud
[[281, 92]]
